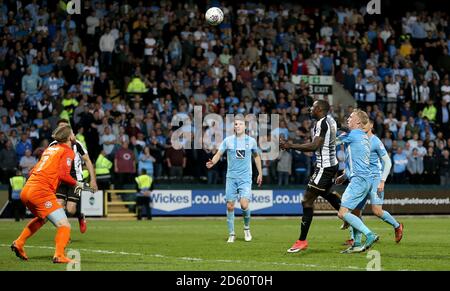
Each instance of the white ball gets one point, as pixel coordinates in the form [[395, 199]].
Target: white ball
[[214, 16]]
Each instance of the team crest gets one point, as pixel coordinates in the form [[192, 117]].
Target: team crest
[[48, 204]]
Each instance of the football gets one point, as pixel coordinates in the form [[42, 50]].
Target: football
[[214, 16]]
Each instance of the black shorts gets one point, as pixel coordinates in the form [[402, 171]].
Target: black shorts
[[67, 192], [323, 178]]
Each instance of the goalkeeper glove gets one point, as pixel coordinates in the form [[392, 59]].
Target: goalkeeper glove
[[82, 186]]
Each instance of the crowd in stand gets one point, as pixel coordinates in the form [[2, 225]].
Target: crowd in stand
[[121, 71]]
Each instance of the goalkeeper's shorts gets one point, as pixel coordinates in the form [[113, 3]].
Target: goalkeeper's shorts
[[67, 192], [39, 201]]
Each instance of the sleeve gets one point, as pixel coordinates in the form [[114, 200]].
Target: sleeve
[[223, 145], [380, 149], [81, 149], [344, 138], [387, 165], [64, 168], [254, 147], [323, 128]]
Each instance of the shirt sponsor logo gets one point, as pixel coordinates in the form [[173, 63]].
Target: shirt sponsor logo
[[240, 154]]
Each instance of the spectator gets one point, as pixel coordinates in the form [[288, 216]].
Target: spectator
[[136, 86], [445, 91], [443, 117], [430, 111], [326, 64], [106, 45], [124, 165], [392, 91], [444, 168], [31, 84], [27, 162], [415, 167], [146, 161], [176, 162], [23, 145], [108, 141], [400, 163], [284, 167], [392, 124], [430, 167], [9, 163]]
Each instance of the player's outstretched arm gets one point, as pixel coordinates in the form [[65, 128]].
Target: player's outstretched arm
[[214, 160], [305, 147], [64, 168]]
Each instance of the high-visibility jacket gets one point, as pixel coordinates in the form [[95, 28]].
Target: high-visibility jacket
[[144, 183], [17, 184], [102, 165], [136, 86], [85, 174], [81, 139]]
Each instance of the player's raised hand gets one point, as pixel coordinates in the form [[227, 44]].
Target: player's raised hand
[[209, 164], [259, 180]]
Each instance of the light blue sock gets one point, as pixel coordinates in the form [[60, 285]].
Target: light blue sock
[[355, 235], [358, 236], [357, 223], [387, 217], [246, 214], [230, 221]]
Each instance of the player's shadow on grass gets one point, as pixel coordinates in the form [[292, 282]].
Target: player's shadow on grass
[[310, 251], [42, 258]]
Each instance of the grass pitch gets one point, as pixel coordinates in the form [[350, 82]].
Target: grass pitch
[[200, 244]]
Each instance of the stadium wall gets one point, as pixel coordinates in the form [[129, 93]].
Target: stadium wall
[[203, 200], [286, 201]]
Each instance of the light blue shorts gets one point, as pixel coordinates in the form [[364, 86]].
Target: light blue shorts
[[356, 193], [375, 197], [235, 189]]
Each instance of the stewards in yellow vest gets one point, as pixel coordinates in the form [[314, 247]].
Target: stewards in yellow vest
[[17, 183], [102, 171], [136, 86], [144, 186]]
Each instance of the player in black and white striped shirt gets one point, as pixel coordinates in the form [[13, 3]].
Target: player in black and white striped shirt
[[65, 194], [321, 181]]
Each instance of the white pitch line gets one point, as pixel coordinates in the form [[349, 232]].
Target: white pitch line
[[196, 259]]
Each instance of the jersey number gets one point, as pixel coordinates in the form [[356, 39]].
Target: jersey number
[[43, 161]]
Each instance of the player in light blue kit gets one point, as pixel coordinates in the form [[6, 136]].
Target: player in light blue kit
[[380, 166], [357, 170], [240, 148]]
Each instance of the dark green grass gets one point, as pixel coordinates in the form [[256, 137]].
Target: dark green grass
[[200, 244]]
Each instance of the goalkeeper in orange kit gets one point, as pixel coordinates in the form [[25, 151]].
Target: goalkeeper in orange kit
[[40, 198]]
